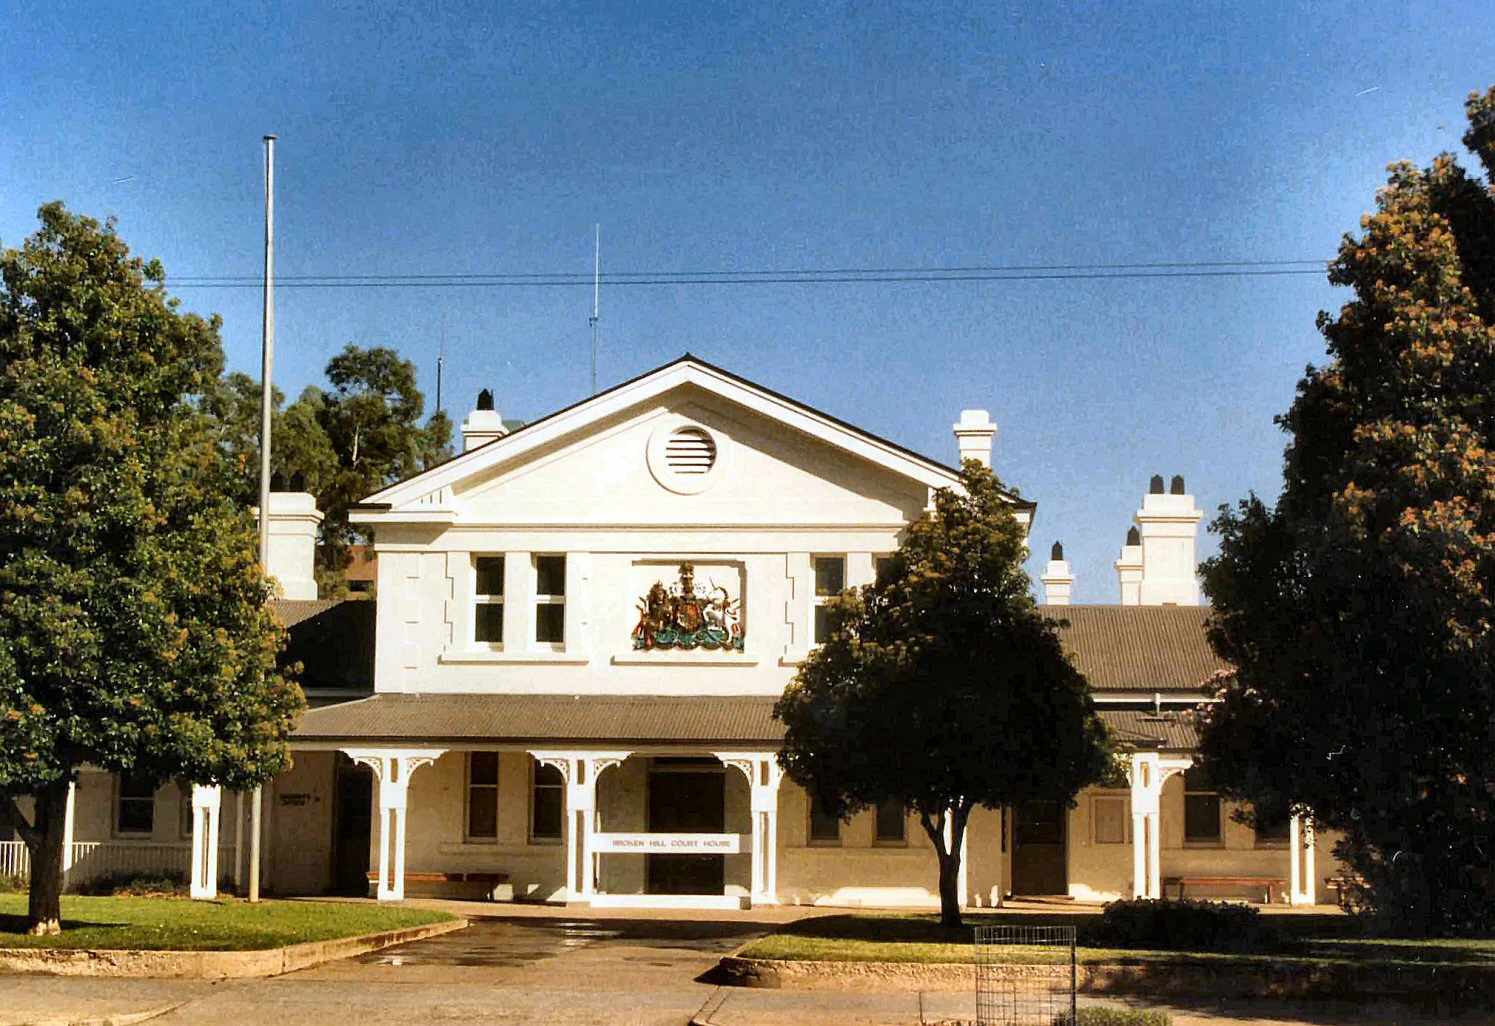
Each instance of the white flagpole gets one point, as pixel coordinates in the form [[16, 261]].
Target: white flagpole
[[266, 392]]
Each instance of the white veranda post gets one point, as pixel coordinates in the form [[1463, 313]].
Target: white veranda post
[[392, 770], [1146, 772], [206, 801], [764, 776], [69, 820], [580, 771], [1302, 890]]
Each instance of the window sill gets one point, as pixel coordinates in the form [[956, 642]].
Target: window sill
[[690, 657], [1204, 844], [453, 656]]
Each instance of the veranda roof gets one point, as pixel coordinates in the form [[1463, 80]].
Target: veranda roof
[[1139, 648], [620, 720], [1174, 731], [546, 719]]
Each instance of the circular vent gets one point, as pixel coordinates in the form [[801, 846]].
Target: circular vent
[[689, 451]]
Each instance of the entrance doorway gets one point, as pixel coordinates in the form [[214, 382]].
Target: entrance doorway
[[686, 796], [352, 821], [1038, 853]]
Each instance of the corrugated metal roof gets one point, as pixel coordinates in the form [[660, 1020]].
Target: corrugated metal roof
[[1138, 648], [626, 719], [332, 640], [633, 719], [293, 611], [1172, 731]]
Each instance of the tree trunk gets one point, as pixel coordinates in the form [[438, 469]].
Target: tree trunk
[[44, 909], [950, 888], [949, 858]]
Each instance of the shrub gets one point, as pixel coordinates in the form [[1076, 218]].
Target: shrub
[[1097, 1016], [154, 885], [1182, 926], [13, 882]]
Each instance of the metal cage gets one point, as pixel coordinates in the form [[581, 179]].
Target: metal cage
[[1026, 976]]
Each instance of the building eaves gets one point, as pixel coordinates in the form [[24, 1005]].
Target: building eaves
[[933, 464]]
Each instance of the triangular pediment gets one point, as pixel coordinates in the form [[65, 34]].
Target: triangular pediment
[[686, 443]]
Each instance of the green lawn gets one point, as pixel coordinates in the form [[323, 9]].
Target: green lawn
[[182, 925], [918, 937]]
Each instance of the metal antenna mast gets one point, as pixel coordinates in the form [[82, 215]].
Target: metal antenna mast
[[596, 318], [440, 359]]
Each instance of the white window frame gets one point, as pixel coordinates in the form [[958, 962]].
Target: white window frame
[[467, 788], [818, 600], [120, 799], [901, 841], [558, 786], [819, 842], [485, 599], [1218, 841], [548, 600], [185, 813]]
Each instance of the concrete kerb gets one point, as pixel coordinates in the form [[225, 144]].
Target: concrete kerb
[[126, 1019], [210, 965], [1453, 985]]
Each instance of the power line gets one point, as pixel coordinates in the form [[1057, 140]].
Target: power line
[[572, 276], [807, 276]]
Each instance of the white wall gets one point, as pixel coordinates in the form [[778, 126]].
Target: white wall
[[777, 498]]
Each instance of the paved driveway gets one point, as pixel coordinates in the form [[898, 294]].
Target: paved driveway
[[542, 966], [548, 966]]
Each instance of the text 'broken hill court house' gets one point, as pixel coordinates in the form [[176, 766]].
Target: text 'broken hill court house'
[[563, 690]]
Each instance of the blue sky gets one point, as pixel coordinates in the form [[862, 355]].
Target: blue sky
[[432, 139]]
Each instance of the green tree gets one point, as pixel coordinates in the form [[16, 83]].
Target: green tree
[[344, 443], [371, 417], [941, 687], [134, 631], [299, 445], [1360, 608]]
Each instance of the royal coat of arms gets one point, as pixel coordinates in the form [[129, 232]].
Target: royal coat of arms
[[685, 616]]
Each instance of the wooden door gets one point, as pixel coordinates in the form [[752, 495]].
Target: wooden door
[[353, 820], [1038, 854], [686, 796]]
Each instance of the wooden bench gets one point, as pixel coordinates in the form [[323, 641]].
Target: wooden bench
[[1344, 885], [490, 880], [1182, 882]]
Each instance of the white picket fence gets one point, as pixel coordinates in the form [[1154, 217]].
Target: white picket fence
[[14, 859], [95, 859]]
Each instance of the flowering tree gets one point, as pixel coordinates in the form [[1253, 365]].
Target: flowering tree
[[1360, 609], [134, 631]]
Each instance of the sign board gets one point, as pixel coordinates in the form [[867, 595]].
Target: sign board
[[671, 844]]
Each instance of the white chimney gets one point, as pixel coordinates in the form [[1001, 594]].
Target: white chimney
[[483, 424], [294, 519], [973, 434], [1168, 523], [1058, 579], [1129, 569]]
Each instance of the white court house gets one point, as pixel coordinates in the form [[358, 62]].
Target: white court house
[[563, 691]]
